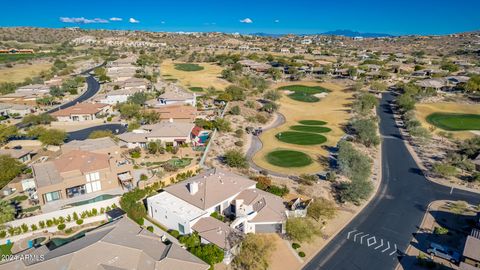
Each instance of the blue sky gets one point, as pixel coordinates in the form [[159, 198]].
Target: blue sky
[[271, 16]]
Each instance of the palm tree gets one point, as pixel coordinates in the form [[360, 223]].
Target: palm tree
[[7, 212]]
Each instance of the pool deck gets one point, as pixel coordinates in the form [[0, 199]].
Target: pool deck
[[57, 205]]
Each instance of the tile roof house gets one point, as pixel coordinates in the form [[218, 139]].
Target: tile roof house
[[80, 172], [121, 244], [81, 112], [168, 133], [12, 109], [471, 251], [177, 113], [181, 206], [173, 95], [21, 155]]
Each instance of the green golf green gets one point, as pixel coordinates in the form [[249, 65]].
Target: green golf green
[[196, 89], [312, 122], [188, 67], [301, 138], [288, 158], [455, 121], [314, 129], [304, 93]]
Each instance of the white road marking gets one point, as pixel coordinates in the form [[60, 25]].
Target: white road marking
[[372, 240], [380, 244], [372, 243], [355, 236], [361, 238], [388, 243], [348, 236], [394, 250]]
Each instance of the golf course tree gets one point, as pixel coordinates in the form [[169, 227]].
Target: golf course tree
[[52, 137], [7, 211], [366, 131], [378, 86], [41, 119], [275, 73], [364, 104], [255, 252], [101, 74], [9, 168], [473, 84], [321, 209], [236, 92], [7, 131], [357, 167], [444, 170], [236, 159], [272, 95], [302, 229]]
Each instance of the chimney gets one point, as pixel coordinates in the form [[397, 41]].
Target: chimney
[[193, 187]]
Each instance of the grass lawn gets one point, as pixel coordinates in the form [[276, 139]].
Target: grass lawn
[[288, 158], [188, 67], [196, 89], [209, 76], [6, 249], [312, 122], [171, 80], [304, 93], [455, 121], [20, 72], [314, 129], [333, 109], [424, 110], [301, 138]]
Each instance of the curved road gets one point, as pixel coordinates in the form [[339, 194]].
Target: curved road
[[380, 234], [92, 88], [256, 145], [83, 134]]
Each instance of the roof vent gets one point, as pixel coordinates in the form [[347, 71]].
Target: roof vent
[[193, 187]]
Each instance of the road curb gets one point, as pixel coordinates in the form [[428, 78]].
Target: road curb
[[399, 266], [367, 202], [420, 164]]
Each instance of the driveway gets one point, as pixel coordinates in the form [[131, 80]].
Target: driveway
[[378, 237]]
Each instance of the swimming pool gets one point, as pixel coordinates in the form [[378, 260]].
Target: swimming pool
[[93, 200]]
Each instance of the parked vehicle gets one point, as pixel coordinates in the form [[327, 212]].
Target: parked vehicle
[[443, 252]]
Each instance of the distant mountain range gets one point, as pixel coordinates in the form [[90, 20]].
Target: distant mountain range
[[345, 33], [350, 33]]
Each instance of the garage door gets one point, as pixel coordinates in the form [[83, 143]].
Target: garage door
[[268, 228]]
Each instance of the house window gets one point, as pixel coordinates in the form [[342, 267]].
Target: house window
[[93, 182], [51, 196], [181, 228]]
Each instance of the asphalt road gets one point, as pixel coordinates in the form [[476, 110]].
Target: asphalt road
[[84, 133], [380, 234], [92, 88]]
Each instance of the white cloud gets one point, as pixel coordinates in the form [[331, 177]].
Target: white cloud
[[82, 20], [132, 20], [246, 20], [116, 19], [277, 21]]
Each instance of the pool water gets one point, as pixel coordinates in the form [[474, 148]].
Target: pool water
[[93, 200], [58, 242]]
